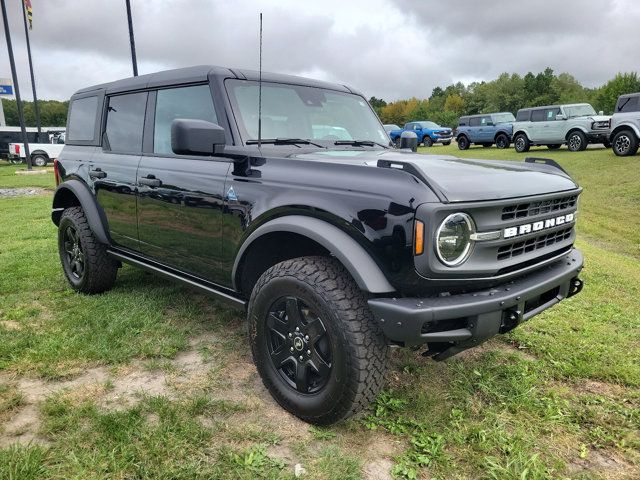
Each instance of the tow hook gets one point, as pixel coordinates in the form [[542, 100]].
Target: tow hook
[[510, 320], [575, 287]]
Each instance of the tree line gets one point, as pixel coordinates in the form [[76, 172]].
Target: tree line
[[507, 93]]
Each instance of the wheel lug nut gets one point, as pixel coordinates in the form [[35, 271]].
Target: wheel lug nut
[[308, 352], [291, 349], [300, 357], [306, 337], [297, 329], [290, 334]]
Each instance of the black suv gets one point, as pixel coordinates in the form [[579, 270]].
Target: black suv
[[336, 244]]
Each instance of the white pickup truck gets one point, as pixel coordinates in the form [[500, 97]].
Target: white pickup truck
[[41, 153]]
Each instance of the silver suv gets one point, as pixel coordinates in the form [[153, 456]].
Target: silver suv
[[625, 125], [577, 125]]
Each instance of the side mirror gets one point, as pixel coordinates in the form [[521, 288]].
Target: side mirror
[[560, 116], [601, 113], [196, 137]]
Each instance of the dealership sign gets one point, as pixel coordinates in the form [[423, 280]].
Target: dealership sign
[[6, 86]]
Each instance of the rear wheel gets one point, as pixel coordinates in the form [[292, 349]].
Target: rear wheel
[[463, 142], [521, 143], [577, 141], [314, 341], [427, 141], [502, 141], [85, 261], [625, 143], [555, 146]]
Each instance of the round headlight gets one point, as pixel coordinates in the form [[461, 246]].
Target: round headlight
[[453, 239]]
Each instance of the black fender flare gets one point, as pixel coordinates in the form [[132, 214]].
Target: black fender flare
[[364, 270], [94, 213]]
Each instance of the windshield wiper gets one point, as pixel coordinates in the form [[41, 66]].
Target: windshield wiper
[[284, 141], [359, 143]]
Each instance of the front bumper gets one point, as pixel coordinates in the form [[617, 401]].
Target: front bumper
[[442, 139], [453, 323]]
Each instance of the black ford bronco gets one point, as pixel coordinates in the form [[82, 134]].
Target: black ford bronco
[[299, 211]]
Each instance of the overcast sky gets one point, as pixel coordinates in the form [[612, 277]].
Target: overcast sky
[[385, 48]]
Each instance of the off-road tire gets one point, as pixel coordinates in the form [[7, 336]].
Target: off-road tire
[[625, 143], [463, 142], [502, 141], [427, 141], [521, 143], [577, 141], [554, 146], [39, 160], [99, 273], [359, 349]]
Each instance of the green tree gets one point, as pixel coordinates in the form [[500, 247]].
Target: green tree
[[606, 97]]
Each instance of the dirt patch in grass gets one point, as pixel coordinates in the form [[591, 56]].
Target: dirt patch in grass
[[18, 192], [604, 463]]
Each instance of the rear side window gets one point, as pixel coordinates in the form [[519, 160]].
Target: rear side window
[[474, 121], [82, 119], [125, 122], [185, 102], [523, 115], [538, 116], [628, 104]]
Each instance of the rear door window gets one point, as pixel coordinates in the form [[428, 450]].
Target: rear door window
[[82, 119], [193, 102], [125, 123], [474, 121], [538, 116]]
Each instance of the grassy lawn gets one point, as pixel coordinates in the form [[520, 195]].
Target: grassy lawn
[[154, 380]]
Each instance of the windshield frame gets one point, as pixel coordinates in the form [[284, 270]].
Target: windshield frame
[[428, 124], [325, 143]]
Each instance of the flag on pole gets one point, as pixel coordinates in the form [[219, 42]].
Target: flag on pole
[[27, 5]]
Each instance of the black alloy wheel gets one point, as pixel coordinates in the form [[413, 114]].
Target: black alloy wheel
[[74, 260], [463, 143], [298, 345], [502, 141]]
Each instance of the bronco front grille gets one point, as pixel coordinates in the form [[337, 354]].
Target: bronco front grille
[[524, 210], [518, 248]]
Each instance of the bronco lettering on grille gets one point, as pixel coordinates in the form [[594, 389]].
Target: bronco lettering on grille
[[537, 226]]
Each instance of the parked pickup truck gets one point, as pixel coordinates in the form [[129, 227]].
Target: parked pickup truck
[[428, 133], [334, 249], [577, 125], [41, 153], [485, 130]]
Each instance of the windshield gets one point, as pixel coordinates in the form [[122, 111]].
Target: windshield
[[503, 117], [429, 125], [309, 113], [579, 110]]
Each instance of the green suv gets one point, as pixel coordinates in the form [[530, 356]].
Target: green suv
[[575, 125]]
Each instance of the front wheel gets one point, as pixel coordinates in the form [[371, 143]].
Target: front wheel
[[39, 160], [521, 143], [625, 143], [314, 341], [502, 141], [85, 261], [577, 141], [428, 142], [463, 143]]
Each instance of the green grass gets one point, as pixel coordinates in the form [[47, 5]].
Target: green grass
[[558, 397], [9, 179]]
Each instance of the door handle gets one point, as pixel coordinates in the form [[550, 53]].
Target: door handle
[[150, 181], [97, 173]]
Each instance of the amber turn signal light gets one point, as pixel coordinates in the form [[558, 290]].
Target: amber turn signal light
[[419, 238]]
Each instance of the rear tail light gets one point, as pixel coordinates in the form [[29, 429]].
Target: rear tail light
[[56, 171], [16, 149]]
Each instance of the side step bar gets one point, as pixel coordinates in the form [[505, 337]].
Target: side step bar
[[202, 285]]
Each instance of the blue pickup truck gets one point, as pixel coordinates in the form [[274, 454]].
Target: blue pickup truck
[[428, 133], [485, 130]]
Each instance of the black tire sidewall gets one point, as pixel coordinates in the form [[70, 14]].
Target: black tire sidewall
[[633, 144], [502, 141], [34, 161], [583, 141], [308, 406], [427, 141], [525, 143], [463, 143], [66, 221]]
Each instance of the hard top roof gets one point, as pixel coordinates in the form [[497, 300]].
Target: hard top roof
[[200, 73], [555, 106]]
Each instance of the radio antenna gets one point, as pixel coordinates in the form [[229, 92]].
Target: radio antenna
[[260, 90]]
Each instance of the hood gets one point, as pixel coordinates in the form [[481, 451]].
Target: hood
[[462, 180]]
